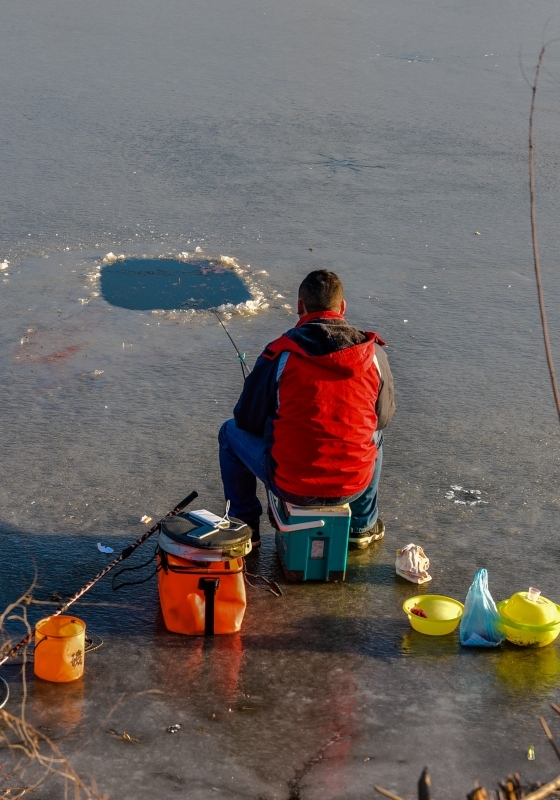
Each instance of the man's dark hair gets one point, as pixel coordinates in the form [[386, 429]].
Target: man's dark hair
[[321, 290]]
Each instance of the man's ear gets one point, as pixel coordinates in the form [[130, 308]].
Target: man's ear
[[301, 308], [343, 307]]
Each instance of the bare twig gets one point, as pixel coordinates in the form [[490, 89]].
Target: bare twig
[[548, 734], [509, 788], [388, 794], [544, 791], [424, 785], [85, 742], [32, 757], [36, 758], [536, 259], [478, 793]]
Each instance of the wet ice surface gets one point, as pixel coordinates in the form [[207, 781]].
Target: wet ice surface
[[263, 146], [329, 675]]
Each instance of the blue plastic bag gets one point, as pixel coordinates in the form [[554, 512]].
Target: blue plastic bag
[[480, 623]]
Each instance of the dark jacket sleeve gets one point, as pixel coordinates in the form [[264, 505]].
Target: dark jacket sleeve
[[385, 405], [258, 399]]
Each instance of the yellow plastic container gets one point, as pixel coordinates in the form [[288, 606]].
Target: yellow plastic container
[[443, 613], [59, 648], [529, 619]]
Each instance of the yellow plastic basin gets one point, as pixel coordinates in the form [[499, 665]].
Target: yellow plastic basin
[[443, 613], [529, 623]]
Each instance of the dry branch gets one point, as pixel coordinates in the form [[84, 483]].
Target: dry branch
[[387, 793], [536, 259], [545, 790], [29, 756]]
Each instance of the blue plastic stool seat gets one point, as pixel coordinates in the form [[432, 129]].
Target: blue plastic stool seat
[[312, 541]]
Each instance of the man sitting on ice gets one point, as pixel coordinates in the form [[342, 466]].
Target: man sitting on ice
[[309, 422]]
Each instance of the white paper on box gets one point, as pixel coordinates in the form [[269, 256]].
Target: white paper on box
[[202, 515]]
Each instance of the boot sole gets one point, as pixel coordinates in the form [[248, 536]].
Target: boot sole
[[361, 542]]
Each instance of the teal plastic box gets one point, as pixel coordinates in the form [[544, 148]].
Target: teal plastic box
[[312, 542]]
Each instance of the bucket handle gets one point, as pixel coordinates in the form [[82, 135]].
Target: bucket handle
[[36, 645], [45, 636]]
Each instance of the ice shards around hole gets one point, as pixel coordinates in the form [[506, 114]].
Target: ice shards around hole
[[465, 497], [148, 284]]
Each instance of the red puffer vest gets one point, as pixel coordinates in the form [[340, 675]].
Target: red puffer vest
[[325, 419]]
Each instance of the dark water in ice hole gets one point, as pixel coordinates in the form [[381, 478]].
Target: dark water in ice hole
[[225, 126], [144, 284]]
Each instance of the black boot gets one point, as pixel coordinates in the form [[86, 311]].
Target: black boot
[[254, 524]]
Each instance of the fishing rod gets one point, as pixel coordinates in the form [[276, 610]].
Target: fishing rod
[[241, 356], [125, 554]]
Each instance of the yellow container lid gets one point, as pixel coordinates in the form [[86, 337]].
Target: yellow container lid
[[530, 608]]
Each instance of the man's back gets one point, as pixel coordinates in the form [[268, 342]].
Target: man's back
[[314, 394]]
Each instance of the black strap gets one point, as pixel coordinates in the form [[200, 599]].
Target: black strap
[[133, 569], [209, 586]]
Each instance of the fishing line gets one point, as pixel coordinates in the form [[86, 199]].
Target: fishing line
[[241, 356]]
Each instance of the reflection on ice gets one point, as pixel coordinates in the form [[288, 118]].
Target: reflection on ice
[[535, 671], [58, 707]]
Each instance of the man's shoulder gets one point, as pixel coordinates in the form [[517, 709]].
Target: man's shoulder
[[283, 343], [324, 336], [319, 337]]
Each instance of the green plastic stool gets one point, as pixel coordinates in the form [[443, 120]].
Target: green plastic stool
[[312, 541]]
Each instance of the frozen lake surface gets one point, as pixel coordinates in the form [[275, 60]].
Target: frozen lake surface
[[372, 138]]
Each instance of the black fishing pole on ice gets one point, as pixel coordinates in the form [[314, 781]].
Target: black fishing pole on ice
[[245, 371], [128, 551]]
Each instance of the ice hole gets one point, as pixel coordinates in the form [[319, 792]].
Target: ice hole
[[465, 497], [147, 284]]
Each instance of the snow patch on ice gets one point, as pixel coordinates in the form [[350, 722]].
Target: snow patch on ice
[[465, 497], [110, 258]]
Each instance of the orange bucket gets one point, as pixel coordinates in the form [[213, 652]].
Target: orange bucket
[[59, 648], [201, 599]]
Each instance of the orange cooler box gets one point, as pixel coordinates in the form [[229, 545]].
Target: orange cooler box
[[201, 598]]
